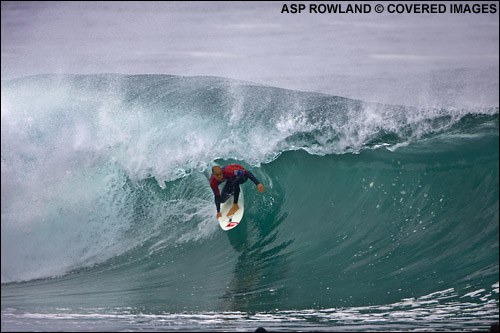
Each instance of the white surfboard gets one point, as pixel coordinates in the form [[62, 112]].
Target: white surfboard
[[228, 223]]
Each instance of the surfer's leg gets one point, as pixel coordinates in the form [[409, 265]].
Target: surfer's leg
[[236, 193], [232, 187], [238, 180], [236, 185], [227, 191]]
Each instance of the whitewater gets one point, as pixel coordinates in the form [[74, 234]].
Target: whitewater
[[376, 137], [370, 209]]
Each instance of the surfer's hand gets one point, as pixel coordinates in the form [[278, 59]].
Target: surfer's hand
[[219, 214], [260, 188]]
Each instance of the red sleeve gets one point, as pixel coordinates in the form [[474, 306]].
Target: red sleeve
[[214, 185]]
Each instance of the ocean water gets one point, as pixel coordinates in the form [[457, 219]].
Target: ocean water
[[376, 137], [375, 216]]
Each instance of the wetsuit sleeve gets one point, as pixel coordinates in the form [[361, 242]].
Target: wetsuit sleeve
[[215, 189], [217, 203], [251, 177]]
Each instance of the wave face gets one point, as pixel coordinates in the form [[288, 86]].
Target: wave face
[[370, 207]]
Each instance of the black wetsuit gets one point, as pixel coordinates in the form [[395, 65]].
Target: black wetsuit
[[234, 176]]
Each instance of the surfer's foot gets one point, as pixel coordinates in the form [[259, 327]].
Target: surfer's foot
[[233, 210]]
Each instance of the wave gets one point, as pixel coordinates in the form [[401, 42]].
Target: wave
[[167, 126], [107, 175]]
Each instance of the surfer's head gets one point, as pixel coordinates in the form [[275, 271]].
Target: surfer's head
[[217, 173]]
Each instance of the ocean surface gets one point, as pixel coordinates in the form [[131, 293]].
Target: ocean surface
[[375, 216], [376, 137]]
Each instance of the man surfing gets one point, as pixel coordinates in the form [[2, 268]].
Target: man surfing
[[233, 175]]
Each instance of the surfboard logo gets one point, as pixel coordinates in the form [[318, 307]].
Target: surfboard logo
[[231, 224]]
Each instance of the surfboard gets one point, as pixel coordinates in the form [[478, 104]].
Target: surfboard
[[228, 223]]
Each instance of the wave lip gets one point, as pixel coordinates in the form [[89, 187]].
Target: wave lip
[[168, 126]]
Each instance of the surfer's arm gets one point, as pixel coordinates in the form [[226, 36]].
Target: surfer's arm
[[260, 187], [251, 177], [217, 203], [215, 188]]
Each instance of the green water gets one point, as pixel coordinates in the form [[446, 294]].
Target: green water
[[397, 231]]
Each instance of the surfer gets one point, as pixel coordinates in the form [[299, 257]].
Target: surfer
[[233, 175]]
